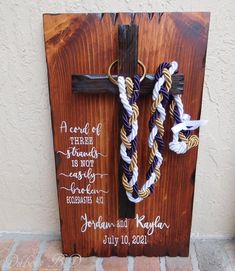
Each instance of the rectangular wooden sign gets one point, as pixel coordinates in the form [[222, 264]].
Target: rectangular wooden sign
[[86, 131]]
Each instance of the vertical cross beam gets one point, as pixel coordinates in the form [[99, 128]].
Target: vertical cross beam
[[127, 66]]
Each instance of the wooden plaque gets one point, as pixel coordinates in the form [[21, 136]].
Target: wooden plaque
[[86, 133]]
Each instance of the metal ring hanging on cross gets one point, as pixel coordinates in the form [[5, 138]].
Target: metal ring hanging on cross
[[115, 82]]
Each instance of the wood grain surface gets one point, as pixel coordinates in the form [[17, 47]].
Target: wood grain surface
[[87, 44]]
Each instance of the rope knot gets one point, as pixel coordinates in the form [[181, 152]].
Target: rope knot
[[178, 147]]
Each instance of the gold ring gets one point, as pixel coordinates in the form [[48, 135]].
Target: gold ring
[[116, 61]]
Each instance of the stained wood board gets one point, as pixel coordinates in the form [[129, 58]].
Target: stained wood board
[[86, 125]]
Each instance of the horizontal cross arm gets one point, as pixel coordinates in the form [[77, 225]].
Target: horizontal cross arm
[[95, 84]]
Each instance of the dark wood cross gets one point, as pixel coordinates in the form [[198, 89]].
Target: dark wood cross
[[127, 66]]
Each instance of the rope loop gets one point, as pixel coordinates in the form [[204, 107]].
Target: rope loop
[[182, 141]]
